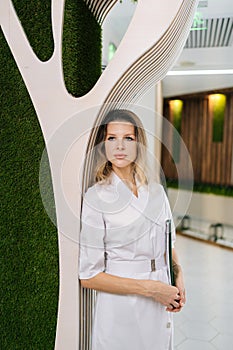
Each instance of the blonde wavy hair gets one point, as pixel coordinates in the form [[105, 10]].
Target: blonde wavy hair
[[101, 167]]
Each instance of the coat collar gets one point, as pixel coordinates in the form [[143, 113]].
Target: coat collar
[[150, 201], [114, 196]]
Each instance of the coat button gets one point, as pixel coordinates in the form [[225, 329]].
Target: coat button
[[169, 325]]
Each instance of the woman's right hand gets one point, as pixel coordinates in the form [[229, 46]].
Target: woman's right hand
[[161, 292], [165, 294]]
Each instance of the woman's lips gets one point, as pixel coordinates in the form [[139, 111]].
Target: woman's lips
[[120, 156]]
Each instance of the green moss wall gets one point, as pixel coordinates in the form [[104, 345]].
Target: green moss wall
[[81, 48], [29, 270]]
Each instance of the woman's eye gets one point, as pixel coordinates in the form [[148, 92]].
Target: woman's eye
[[129, 138], [111, 138]]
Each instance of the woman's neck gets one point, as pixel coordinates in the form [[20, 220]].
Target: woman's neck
[[125, 173], [127, 176]]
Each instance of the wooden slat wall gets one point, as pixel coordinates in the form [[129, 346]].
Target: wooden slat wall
[[167, 163], [212, 161]]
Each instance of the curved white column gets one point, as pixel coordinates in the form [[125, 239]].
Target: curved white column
[[100, 8]]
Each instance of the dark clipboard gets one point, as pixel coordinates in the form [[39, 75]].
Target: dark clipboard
[[169, 247]]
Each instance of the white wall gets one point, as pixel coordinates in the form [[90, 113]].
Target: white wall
[[115, 25], [206, 207]]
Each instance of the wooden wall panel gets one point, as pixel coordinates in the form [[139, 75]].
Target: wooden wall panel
[[228, 141], [212, 161]]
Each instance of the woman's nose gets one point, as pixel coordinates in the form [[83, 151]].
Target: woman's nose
[[120, 144]]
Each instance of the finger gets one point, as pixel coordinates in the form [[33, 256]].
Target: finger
[[174, 304], [183, 298], [170, 307], [177, 309], [174, 309]]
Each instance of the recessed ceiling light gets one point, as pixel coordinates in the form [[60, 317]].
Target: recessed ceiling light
[[187, 63], [201, 72]]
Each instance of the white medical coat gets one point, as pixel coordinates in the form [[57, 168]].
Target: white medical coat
[[129, 231]]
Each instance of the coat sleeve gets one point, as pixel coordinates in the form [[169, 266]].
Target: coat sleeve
[[91, 252]]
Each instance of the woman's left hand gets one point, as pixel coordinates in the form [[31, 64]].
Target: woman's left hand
[[181, 288]]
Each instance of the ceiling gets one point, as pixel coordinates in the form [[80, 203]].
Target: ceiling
[[209, 47]]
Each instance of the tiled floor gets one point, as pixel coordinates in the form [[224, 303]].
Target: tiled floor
[[205, 322]]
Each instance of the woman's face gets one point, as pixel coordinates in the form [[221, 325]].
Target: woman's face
[[120, 144]]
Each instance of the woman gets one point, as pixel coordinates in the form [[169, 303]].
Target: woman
[[123, 244]]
